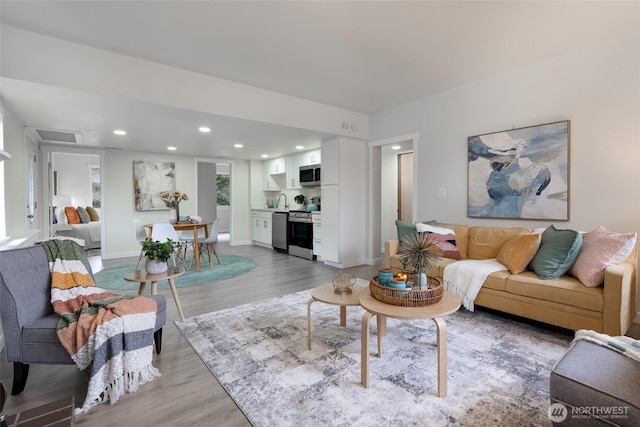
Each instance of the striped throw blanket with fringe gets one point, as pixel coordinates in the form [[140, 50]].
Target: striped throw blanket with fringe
[[109, 336]]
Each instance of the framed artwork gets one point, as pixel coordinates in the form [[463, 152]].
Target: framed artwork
[[149, 180], [520, 173]]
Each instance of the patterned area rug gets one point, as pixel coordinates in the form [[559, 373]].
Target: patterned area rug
[[498, 369], [231, 266]]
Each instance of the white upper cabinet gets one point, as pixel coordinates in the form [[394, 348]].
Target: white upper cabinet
[[312, 157], [293, 172], [277, 166]]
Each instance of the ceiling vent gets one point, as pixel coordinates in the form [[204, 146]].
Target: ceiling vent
[[59, 136]]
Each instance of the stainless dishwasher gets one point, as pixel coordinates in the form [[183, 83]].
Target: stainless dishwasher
[[280, 231]]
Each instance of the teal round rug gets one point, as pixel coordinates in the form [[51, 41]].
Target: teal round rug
[[232, 266]]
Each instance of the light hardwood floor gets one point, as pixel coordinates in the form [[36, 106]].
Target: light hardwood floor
[[186, 394]]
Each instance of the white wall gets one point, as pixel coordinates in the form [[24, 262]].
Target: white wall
[[597, 89], [74, 176]]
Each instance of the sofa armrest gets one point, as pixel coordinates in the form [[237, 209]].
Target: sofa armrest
[[619, 308], [390, 249]]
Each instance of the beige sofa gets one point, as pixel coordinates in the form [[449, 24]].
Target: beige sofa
[[564, 301]]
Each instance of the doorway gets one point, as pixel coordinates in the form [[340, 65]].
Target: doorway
[[214, 196]]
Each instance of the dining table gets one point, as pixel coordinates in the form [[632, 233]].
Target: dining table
[[190, 226]]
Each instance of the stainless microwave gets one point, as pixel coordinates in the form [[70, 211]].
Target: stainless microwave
[[310, 175]]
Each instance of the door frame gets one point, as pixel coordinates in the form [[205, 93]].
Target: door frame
[[375, 245]]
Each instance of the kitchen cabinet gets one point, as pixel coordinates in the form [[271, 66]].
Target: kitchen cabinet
[[312, 157], [316, 218], [330, 174], [269, 182], [261, 225], [343, 193], [276, 166], [293, 172]]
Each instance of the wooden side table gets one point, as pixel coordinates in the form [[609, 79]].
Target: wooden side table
[[142, 277], [447, 305], [324, 293]]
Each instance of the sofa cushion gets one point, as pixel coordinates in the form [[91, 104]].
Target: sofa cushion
[[518, 252], [600, 249], [406, 228], [443, 237], [557, 253], [72, 215], [461, 231], [565, 290], [486, 242], [497, 280]]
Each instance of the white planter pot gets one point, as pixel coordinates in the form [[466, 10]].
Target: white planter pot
[[153, 266]]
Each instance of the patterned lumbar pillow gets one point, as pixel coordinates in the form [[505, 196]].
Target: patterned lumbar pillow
[[557, 253], [600, 249], [519, 251], [445, 238]]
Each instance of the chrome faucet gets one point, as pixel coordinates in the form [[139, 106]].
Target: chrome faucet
[[286, 204]]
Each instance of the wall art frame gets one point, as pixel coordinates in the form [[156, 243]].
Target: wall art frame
[[149, 180], [520, 173]]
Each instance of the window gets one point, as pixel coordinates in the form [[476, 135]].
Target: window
[[224, 195]]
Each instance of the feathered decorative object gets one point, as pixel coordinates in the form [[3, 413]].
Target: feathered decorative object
[[419, 252]]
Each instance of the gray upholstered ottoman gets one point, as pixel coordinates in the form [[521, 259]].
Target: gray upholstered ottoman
[[596, 386]]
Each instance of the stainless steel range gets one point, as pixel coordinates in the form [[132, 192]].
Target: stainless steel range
[[301, 234]]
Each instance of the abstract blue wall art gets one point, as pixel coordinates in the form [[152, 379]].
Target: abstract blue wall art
[[520, 173]]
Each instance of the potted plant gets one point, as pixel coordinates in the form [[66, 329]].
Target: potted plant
[[157, 254], [419, 252], [172, 201], [300, 200]]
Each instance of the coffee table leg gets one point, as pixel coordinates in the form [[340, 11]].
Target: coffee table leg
[[364, 350], [311, 300], [381, 324], [441, 327], [174, 291], [343, 315], [141, 289]]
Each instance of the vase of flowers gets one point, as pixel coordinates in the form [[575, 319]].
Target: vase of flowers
[[172, 201], [157, 254], [419, 252]]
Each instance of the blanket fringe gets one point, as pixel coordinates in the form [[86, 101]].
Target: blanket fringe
[[127, 383]]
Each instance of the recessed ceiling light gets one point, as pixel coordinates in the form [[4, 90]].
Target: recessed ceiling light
[[204, 129], [299, 147], [265, 155], [396, 147], [238, 145], [119, 132], [171, 148]]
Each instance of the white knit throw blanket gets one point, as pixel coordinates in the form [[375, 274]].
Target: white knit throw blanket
[[464, 278]]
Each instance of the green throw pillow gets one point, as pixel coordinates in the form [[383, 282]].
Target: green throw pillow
[[557, 253], [406, 228]]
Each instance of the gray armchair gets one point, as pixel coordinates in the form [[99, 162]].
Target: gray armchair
[[28, 319]]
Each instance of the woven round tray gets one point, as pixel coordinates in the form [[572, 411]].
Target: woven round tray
[[408, 297]]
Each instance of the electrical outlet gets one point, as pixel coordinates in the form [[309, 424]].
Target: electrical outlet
[[441, 192]]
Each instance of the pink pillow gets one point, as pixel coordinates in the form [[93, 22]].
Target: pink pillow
[[445, 239], [600, 249]]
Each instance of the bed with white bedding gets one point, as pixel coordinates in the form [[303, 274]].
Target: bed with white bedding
[[90, 231]]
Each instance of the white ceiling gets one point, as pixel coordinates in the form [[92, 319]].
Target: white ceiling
[[360, 56]]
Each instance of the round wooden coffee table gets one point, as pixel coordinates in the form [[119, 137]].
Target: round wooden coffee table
[[447, 305], [324, 293], [142, 277]]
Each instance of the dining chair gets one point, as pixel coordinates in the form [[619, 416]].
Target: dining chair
[[163, 231], [141, 234], [210, 242], [187, 242]]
